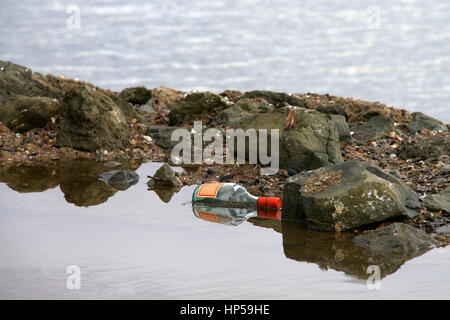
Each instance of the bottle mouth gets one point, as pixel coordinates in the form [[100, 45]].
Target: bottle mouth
[[269, 202]]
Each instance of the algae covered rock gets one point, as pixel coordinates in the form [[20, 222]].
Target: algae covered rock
[[312, 141], [22, 113], [90, 120], [346, 196], [136, 95], [194, 104], [242, 110]]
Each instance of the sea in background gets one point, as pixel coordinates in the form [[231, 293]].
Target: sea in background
[[395, 52]]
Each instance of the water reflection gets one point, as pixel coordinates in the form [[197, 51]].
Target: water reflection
[[80, 183], [232, 216], [78, 180]]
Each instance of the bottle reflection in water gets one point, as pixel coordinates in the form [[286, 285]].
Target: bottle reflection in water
[[232, 216]]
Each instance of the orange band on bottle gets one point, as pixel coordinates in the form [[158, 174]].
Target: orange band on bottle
[[209, 190]]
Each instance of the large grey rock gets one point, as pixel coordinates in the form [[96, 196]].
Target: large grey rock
[[164, 177], [374, 129], [433, 147], [22, 113], [312, 142], [439, 201], [120, 179], [242, 110], [90, 120], [397, 240], [346, 196], [421, 121]]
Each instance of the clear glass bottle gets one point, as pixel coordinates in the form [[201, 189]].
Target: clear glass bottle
[[231, 195]]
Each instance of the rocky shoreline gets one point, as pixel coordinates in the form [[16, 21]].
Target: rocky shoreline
[[346, 164]]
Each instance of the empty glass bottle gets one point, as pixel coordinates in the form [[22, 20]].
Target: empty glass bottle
[[231, 195]]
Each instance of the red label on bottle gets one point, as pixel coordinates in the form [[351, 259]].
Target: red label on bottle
[[209, 190]]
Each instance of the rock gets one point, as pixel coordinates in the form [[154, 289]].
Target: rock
[[346, 196], [397, 240], [22, 113], [162, 136], [276, 98], [335, 110], [444, 230], [291, 172], [437, 202], [243, 109], [194, 104], [374, 129], [164, 177], [342, 127], [312, 142], [433, 147], [232, 95], [90, 120], [147, 108], [136, 95], [15, 79], [421, 121], [120, 179], [165, 98]]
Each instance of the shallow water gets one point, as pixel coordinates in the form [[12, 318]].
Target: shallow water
[[292, 46], [132, 245]]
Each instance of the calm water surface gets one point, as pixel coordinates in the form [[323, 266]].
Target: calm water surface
[[283, 45], [132, 245]]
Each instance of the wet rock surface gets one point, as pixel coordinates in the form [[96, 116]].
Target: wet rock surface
[[346, 196]]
